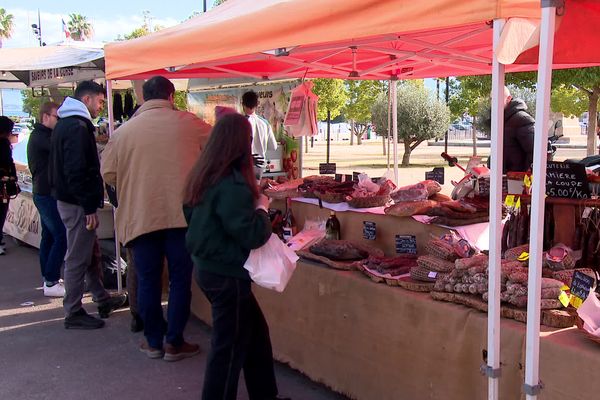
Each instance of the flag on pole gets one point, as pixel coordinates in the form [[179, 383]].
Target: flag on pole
[[66, 30]]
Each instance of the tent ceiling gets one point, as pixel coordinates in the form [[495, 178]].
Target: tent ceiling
[[453, 38]]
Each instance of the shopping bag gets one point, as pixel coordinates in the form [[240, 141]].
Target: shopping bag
[[272, 265]]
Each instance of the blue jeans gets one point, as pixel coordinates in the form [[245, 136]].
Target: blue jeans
[[149, 250], [240, 340], [53, 245]]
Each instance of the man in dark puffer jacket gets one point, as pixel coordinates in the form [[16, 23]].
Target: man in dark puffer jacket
[[519, 132]]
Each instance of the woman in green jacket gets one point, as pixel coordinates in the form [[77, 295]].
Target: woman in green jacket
[[227, 217]]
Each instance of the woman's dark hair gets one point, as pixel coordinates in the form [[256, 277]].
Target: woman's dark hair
[[229, 149], [6, 125]]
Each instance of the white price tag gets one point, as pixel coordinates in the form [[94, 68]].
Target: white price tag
[[586, 212], [432, 275]]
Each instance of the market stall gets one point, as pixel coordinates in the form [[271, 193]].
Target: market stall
[[395, 40]]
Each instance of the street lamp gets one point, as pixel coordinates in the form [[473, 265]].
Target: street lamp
[[37, 30]]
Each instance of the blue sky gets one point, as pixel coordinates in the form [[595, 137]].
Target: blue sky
[[110, 18]]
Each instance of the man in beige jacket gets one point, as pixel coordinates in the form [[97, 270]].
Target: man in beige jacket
[[148, 160]]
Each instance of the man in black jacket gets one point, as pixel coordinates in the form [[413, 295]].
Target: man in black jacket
[[77, 186], [53, 245], [519, 132], [7, 172]]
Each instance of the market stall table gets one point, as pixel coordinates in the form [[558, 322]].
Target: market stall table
[[371, 341]]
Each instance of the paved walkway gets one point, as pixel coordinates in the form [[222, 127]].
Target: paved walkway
[[39, 359]]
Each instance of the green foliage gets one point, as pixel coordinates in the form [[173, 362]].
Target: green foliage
[[218, 2], [31, 104], [7, 25], [332, 97], [181, 100], [362, 95], [569, 100], [420, 116], [79, 27]]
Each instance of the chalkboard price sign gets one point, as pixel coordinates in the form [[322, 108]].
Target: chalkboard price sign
[[327, 168], [369, 230], [355, 176], [436, 175], [581, 285], [406, 244], [567, 180]]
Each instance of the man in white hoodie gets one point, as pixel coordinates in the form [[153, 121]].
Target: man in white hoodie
[[77, 186]]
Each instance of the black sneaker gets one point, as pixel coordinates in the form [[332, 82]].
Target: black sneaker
[[82, 320], [111, 304]]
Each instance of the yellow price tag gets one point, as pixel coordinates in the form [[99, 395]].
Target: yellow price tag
[[564, 287], [564, 298], [518, 203], [524, 256], [527, 181], [576, 301], [509, 201]]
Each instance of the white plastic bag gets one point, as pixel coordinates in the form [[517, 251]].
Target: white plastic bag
[[272, 265]]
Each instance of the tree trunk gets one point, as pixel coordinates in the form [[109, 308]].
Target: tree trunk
[[328, 134], [406, 155], [474, 133], [306, 144], [383, 140], [359, 136], [592, 121], [351, 132]]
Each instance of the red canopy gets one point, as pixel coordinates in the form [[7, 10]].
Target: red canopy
[[348, 39]]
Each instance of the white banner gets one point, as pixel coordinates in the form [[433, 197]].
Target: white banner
[[23, 220], [56, 76]]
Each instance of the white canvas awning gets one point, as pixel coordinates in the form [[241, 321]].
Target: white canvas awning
[[52, 65]]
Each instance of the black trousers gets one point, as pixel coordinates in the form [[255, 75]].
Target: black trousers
[[240, 340], [3, 212]]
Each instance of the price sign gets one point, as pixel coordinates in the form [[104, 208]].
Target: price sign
[[567, 180], [436, 175], [581, 285], [355, 176], [369, 230], [406, 244], [327, 168]]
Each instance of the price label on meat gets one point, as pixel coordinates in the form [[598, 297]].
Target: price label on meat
[[567, 180], [327, 168], [406, 244], [581, 285], [369, 230], [436, 175]]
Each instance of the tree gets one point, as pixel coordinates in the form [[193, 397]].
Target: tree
[[362, 95], [332, 99], [7, 25], [32, 104], [420, 117], [79, 27]]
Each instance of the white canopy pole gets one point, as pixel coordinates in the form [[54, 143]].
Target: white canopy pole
[[389, 121], [395, 126], [532, 382], [497, 149], [111, 129]]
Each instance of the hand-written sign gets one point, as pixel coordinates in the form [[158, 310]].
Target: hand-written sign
[[483, 186], [581, 285], [369, 230], [327, 168], [355, 176], [406, 244], [436, 175], [567, 180]]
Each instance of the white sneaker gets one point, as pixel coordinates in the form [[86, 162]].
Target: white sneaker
[[58, 290], [2, 250]]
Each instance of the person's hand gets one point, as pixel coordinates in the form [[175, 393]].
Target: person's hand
[[263, 202], [92, 222], [258, 161]]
